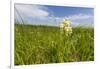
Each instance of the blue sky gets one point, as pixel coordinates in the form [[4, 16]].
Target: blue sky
[[53, 15]]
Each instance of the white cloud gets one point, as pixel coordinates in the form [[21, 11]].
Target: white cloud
[[77, 19], [79, 16], [32, 11], [81, 19]]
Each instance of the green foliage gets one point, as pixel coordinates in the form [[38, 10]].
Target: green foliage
[[45, 44]]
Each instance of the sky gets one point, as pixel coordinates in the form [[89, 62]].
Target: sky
[[53, 15]]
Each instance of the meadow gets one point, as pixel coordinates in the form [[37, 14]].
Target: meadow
[[38, 44]]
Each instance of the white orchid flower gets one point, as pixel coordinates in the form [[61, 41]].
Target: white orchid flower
[[65, 27]]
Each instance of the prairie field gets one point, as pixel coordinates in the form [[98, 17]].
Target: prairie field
[[38, 44]]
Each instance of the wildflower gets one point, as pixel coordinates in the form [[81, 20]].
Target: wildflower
[[65, 27], [66, 23]]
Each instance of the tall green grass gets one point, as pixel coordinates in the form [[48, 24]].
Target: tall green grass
[[45, 44]]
